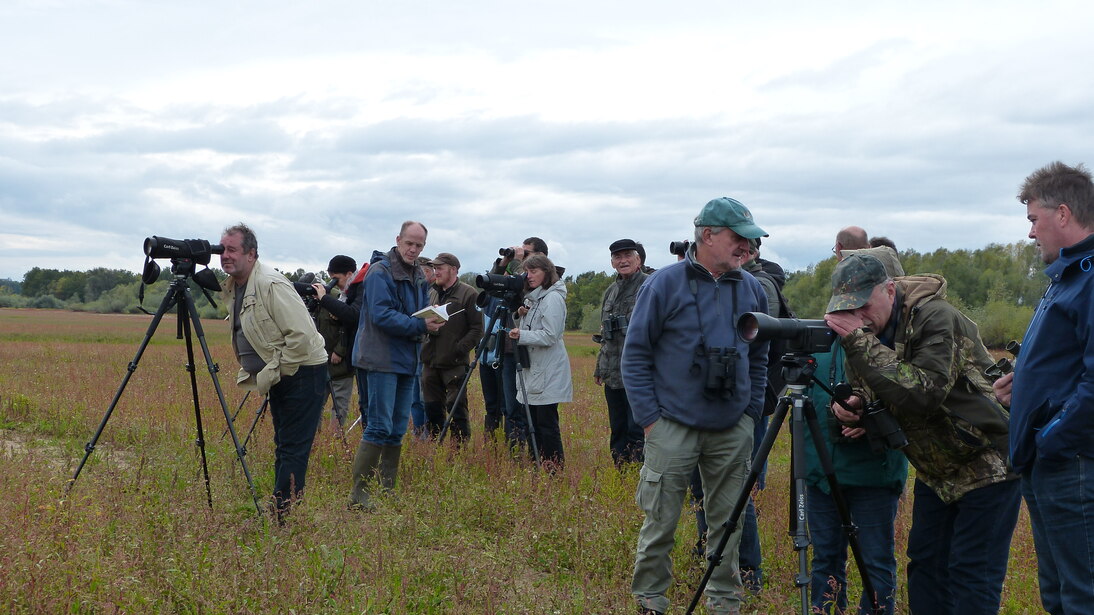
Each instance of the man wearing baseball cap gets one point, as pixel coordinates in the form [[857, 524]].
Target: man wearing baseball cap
[[910, 349], [697, 389]]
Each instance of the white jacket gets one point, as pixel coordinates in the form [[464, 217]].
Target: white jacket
[[548, 379]]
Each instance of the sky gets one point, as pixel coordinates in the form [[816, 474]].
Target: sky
[[325, 125]]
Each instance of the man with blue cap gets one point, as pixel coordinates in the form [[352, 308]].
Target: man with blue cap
[[697, 389]]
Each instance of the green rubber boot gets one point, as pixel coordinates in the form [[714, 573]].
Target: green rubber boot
[[365, 463], [389, 466]]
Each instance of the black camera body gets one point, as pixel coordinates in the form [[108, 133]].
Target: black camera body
[[308, 293], [801, 336], [883, 432], [679, 248], [614, 325]]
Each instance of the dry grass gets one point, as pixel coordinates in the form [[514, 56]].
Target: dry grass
[[468, 531]]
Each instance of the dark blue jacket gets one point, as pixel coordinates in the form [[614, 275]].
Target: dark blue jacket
[[1052, 405], [662, 372], [388, 337]]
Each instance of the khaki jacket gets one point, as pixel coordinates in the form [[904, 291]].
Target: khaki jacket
[[276, 323]]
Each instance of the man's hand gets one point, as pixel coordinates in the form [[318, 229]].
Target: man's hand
[[847, 418], [320, 290], [843, 322], [598, 380], [1002, 388], [433, 324], [335, 358], [647, 428]]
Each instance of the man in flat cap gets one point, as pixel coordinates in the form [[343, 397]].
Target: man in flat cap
[[616, 306], [908, 348], [445, 352], [697, 390]]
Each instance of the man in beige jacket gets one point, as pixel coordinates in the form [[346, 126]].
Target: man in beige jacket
[[280, 354]]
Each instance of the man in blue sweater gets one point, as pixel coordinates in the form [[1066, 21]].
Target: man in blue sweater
[[697, 389], [1052, 407]]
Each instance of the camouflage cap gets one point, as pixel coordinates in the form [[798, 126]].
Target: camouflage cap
[[854, 280]]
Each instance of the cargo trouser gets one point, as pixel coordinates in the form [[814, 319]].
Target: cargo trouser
[[672, 451]]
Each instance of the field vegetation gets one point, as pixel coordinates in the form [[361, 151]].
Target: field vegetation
[[466, 531]]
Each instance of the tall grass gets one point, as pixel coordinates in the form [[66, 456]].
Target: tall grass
[[466, 531]]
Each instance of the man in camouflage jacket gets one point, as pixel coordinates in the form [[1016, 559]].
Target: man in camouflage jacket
[[909, 348], [615, 310]]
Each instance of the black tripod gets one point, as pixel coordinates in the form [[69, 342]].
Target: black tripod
[[502, 312], [798, 370], [179, 295]]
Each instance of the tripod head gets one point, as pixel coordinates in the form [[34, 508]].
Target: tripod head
[[798, 368]]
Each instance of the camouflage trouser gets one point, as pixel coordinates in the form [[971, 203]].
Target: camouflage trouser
[[672, 451]]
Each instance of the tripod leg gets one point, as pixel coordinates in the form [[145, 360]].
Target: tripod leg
[[258, 417], [197, 406], [715, 555], [456, 403], [213, 368], [841, 505], [239, 408], [169, 300]]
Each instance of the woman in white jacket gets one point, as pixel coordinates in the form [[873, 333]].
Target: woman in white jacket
[[547, 382]]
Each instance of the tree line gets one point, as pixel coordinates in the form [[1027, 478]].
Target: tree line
[[998, 286]]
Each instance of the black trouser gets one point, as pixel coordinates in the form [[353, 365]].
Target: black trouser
[[627, 438], [548, 433]]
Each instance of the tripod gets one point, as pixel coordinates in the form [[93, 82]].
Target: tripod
[[798, 370], [503, 313], [179, 295]]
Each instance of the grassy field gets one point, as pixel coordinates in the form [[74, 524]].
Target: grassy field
[[468, 531]]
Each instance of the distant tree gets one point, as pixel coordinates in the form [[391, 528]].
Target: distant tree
[[8, 286], [37, 281]]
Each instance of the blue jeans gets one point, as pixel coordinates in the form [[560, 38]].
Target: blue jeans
[[873, 510], [296, 405], [1060, 498], [389, 399], [417, 408], [957, 553]]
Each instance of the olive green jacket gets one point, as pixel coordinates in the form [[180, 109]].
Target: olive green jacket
[[933, 382]]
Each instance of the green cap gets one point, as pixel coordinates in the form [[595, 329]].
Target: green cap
[[853, 282], [730, 213]]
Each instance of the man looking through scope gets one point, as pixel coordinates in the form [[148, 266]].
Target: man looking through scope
[[280, 354], [909, 348]]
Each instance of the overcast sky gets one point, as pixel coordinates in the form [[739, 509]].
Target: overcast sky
[[324, 125]]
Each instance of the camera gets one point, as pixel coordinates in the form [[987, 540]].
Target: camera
[[883, 432], [507, 252], [308, 293], [615, 324], [500, 285], [801, 336], [197, 250], [721, 377], [679, 248]]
